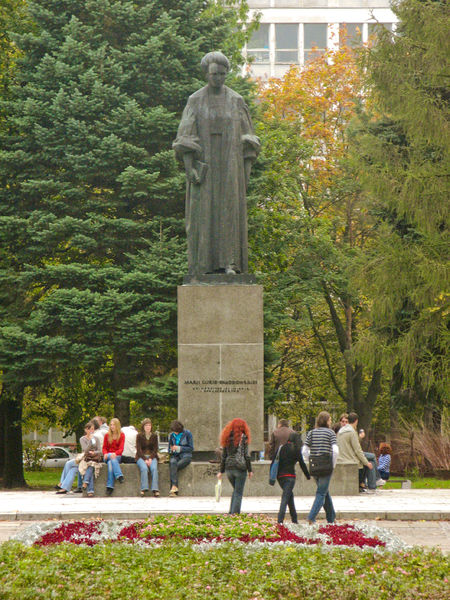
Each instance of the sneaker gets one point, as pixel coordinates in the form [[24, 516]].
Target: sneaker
[[173, 491], [380, 482], [369, 491], [121, 479], [78, 491], [362, 490], [109, 491], [156, 493], [90, 494]]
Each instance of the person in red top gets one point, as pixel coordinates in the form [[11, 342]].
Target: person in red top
[[113, 444]]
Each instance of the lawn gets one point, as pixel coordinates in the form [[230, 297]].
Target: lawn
[[43, 480], [48, 478]]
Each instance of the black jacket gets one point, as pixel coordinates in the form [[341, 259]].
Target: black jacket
[[290, 453], [229, 452]]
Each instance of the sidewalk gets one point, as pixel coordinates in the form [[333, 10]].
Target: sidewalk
[[389, 505]]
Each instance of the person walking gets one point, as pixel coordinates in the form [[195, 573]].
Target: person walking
[[234, 441], [113, 445], [181, 447], [290, 454], [147, 457], [321, 450]]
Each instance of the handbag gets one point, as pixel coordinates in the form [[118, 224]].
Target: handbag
[[238, 459], [321, 465], [273, 471]]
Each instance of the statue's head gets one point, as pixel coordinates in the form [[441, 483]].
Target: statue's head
[[215, 65]]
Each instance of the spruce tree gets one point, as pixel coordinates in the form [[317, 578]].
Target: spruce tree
[[91, 204], [403, 155]]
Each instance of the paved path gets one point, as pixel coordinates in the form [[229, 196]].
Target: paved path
[[391, 505]]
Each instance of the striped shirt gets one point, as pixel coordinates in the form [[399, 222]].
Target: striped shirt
[[320, 441], [384, 462]]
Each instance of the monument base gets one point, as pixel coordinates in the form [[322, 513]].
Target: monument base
[[220, 361], [219, 279], [199, 479]]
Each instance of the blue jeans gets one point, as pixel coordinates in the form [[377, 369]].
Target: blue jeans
[[114, 471], [384, 474], [322, 498], [68, 475], [237, 479], [144, 473], [177, 463], [287, 499], [371, 474], [89, 479]]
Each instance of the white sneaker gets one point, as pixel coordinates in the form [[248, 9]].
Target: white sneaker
[[380, 482], [371, 491]]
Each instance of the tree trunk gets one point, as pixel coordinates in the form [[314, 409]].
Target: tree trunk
[[13, 468], [2, 438]]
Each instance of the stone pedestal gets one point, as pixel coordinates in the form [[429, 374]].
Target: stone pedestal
[[220, 361]]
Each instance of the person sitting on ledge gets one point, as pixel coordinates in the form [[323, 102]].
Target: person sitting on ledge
[[113, 445], [181, 447], [147, 456]]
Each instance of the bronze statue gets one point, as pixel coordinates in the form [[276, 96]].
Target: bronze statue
[[217, 144]]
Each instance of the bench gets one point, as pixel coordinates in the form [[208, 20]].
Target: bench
[[199, 479]]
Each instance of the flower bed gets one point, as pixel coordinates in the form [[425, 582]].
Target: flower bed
[[204, 530]]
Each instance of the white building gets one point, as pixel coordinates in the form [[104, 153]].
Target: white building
[[291, 29]]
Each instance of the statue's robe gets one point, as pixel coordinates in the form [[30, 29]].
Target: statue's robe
[[218, 131]]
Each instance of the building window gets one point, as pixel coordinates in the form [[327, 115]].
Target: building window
[[286, 43], [258, 45], [315, 40], [374, 28], [350, 34]]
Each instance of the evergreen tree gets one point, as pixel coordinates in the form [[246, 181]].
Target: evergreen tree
[[91, 204], [403, 158]]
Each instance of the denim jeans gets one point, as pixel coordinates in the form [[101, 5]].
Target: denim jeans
[[114, 471], [177, 463], [322, 498], [287, 499], [68, 475], [89, 479], [237, 479], [144, 473], [384, 474], [371, 474]]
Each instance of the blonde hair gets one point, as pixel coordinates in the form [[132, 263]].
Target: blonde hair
[[118, 431]]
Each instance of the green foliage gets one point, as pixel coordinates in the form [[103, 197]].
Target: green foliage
[[33, 455], [178, 570], [91, 202], [403, 158]]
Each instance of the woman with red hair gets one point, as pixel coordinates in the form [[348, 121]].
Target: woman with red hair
[[234, 441]]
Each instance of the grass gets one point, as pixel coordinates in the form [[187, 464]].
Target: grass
[[43, 480], [48, 478], [420, 483], [179, 571]]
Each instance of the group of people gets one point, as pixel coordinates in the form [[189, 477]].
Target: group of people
[[324, 447], [112, 445]]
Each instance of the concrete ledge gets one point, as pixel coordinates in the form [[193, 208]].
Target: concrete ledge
[[200, 478]]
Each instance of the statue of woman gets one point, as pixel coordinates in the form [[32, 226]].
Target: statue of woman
[[217, 144]]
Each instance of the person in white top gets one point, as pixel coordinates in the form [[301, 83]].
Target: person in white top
[[129, 449], [102, 430]]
